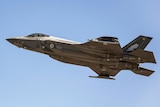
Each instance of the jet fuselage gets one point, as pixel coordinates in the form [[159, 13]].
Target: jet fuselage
[[81, 54]]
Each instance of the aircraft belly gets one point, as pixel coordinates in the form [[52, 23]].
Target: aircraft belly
[[122, 65], [86, 57], [69, 60]]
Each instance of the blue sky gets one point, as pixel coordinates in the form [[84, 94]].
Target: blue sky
[[30, 79]]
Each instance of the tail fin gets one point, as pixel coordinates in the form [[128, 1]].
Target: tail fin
[[139, 43], [143, 71]]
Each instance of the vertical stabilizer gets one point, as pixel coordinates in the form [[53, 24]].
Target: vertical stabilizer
[[139, 43]]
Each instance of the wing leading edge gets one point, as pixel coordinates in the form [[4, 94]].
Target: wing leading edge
[[100, 48]]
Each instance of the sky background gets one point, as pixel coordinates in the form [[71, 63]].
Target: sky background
[[30, 79]]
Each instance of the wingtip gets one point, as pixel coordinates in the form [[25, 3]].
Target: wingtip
[[146, 36]]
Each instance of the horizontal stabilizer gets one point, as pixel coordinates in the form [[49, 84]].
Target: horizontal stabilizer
[[146, 56], [143, 71], [103, 77]]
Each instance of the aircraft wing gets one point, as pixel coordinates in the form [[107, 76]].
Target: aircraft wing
[[100, 48], [105, 71]]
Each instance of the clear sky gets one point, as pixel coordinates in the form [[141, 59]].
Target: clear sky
[[30, 79]]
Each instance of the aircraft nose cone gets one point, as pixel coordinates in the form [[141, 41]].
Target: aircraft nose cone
[[11, 40], [14, 41]]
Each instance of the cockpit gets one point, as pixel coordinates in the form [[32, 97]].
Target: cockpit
[[107, 39], [37, 35]]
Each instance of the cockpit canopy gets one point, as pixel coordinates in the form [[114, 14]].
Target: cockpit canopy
[[107, 39], [37, 35]]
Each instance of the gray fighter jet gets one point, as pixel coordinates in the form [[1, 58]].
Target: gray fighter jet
[[103, 55]]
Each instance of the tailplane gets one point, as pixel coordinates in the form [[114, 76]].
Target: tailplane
[[143, 71], [139, 43], [145, 56]]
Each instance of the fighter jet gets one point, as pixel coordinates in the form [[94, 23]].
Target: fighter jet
[[103, 55]]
